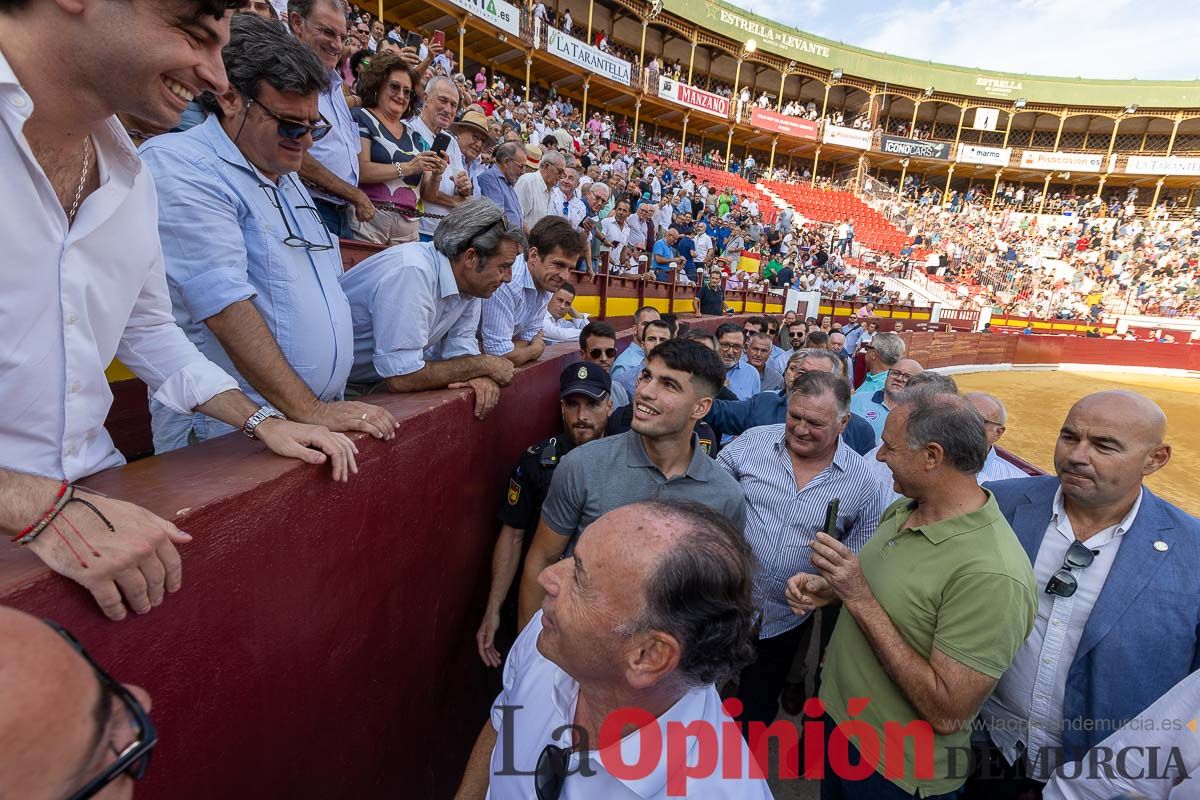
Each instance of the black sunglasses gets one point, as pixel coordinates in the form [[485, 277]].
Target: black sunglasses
[[134, 760], [293, 129], [294, 239], [1063, 583], [551, 772], [596, 352]]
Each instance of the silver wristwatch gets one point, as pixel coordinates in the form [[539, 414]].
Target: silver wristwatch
[[256, 419]]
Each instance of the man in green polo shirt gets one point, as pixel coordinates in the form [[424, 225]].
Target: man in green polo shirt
[[935, 607]]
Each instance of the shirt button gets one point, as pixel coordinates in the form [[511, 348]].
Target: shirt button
[[18, 101], [70, 451], [72, 318], [75, 386]]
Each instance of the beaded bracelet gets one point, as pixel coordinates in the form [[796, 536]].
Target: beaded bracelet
[[65, 496]]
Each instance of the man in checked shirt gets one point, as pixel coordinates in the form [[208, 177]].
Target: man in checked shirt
[[789, 473]]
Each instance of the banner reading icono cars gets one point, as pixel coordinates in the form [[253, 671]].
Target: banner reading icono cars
[[899, 146], [847, 137], [773, 121], [590, 58]]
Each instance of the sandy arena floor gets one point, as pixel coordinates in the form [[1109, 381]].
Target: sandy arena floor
[[1038, 402]]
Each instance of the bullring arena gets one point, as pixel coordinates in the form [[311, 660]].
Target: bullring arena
[[1034, 237]]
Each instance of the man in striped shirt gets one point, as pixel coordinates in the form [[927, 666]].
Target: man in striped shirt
[[789, 473]]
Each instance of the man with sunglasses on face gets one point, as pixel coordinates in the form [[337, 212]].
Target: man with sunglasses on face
[[1118, 611], [252, 271], [331, 165], [598, 345], [67, 729], [84, 282]]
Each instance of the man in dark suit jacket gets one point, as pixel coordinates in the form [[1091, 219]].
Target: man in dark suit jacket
[[1117, 570]]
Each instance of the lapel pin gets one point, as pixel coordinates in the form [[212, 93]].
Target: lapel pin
[[1161, 546]]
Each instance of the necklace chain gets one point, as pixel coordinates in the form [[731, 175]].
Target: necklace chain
[[87, 162]]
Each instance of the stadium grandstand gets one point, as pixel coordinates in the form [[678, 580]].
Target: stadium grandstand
[[510, 377]]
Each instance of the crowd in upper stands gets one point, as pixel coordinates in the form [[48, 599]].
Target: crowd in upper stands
[[723, 496]]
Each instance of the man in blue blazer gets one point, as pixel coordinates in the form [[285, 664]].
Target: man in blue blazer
[[1118, 571]]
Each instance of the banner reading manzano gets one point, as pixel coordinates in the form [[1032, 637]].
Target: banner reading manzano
[[504, 16], [692, 97], [571, 49], [900, 146], [740, 25]]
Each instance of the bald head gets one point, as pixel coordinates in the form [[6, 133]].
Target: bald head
[[995, 415], [1136, 410]]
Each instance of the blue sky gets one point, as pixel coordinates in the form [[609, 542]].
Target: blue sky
[[1090, 38]]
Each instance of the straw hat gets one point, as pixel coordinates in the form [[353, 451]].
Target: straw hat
[[475, 121]]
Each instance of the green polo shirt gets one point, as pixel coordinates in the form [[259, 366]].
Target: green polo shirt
[[962, 585]]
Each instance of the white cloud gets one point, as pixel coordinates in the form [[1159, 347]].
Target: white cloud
[[1120, 39]]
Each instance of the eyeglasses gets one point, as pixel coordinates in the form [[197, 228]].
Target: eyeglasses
[[596, 352], [732, 348], [293, 129], [1063, 583], [293, 239], [325, 32], [134, 760], [396, 87], [897, 375], [551, 772]]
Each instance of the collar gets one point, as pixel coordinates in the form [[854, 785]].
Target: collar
[[946, 529], [223, 146], [335, 81], [841, 455], [447, 283], [1058, 513], [526, 279], [698, 469]]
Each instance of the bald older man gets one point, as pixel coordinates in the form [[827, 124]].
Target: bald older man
[[63, 720], [1119, 609], [995, 423], [874, 406]]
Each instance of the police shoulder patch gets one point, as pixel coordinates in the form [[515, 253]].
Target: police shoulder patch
[[514, 492]]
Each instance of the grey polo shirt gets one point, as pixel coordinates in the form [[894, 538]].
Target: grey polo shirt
[[615, 471]]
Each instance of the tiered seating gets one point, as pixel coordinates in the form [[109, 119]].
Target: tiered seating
[[829, 205], [719, 179]]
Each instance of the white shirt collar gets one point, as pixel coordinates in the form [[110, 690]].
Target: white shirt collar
[[1059, 514]]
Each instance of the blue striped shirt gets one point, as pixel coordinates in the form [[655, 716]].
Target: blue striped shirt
[[515, 311], [781, 521]]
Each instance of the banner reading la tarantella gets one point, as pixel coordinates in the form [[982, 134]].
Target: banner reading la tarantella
[[915, 148], [588, 57]]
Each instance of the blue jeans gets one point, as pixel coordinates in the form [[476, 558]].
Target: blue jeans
[[335, 217], [874, 787]]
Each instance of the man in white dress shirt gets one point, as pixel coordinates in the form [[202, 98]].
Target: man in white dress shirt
[[995, 423], [535, 189], [557, 326], [606, 646], [84, 281]]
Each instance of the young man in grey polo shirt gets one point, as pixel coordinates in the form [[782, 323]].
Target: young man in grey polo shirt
[[658, 458]]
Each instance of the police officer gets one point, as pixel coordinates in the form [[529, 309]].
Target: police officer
[[584, 392]]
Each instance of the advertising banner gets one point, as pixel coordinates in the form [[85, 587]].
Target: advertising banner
[[590, 58], [978, 154], [847, 137], [1162, 165], [899, 146], [692, 97], [1071, 162], [781, 123], [504, 16]]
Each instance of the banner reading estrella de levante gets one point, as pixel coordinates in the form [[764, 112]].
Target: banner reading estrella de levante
[[590, 58], [781, 123], [690, 96], [504, 16]]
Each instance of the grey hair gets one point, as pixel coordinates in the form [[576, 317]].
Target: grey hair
[[432, 84], [477, 224], [701, 593], [593, 188], [815, 384], [949, 421], [933, 382], [261, 50], [999, 404], [553, 158], [305, 7], [507, 151], [817, 352], [889, 347]]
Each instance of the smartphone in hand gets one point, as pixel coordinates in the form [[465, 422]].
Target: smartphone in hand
[[439, 38]]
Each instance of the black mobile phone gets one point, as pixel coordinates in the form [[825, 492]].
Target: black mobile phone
[[831, 515], [413, 40], [440, 143]]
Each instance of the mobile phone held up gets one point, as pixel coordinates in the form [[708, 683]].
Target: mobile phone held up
[[439, 38], [413, 40], [440, 143]]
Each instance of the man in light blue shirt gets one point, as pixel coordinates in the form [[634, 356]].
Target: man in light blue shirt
[[995, 423], [416, 307], [497, 181], [874, 408], [628, 365], [741, 378], [332, 165], [253, 274], [665, 257], [513, 316], [881, 355]]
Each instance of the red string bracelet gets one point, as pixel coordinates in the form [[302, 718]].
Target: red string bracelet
[[60, 501]]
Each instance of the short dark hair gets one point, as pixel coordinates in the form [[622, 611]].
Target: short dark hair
[[552, 232], [815, 384], [685, 355], [701, 593], [570, 287], [727, 327], [643, 310], [597, 329], [760, 321], [816, 339], [948, 420], [259, 51], [658, 323], [699, 334], [376, 76]]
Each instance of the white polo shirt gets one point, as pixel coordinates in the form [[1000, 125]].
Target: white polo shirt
[[538, 700]]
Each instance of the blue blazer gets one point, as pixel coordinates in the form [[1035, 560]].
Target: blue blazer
[[1143, 633]]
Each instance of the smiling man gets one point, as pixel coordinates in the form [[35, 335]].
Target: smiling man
[[660, 457], [230, 211]]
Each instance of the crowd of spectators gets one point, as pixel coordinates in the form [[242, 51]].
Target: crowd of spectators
[[714, 501]]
